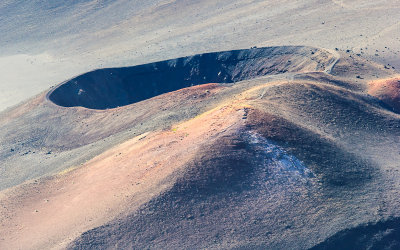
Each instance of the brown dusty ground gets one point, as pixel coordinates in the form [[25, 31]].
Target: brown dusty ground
[[60, 208], [316, 154], [284, 161], [388, 91]]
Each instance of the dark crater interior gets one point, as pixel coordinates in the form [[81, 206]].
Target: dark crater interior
[[115, 87]]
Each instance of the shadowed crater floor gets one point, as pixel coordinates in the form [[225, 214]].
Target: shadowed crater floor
[[115, 87]]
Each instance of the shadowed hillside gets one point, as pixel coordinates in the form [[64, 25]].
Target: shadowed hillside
[[381, 235], [284, 151], [188, 124]]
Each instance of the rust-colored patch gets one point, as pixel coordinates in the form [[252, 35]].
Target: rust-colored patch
[[388, 91], [23, 108], [54, 211]]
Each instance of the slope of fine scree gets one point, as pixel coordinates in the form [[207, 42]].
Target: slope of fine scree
[[114, 87], [223, 195]]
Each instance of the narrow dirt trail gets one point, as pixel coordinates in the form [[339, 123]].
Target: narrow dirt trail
[[60, 208]]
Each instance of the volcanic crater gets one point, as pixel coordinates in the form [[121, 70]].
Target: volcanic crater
[[230, 138], [115, 87]]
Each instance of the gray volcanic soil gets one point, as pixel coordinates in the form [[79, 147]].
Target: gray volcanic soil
[[46, 42], [47, 138], [295, 174], [380, 235], [312, 161]]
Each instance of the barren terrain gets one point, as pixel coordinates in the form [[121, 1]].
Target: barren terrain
[[177, 132]]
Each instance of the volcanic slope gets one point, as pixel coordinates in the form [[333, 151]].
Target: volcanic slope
[[56, 130], [285, 158]]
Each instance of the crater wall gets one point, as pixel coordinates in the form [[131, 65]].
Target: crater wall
[[115, 87]]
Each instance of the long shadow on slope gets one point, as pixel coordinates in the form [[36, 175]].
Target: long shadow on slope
[[114, 87], [382, 235], [221, 172], [240, 191], [336, 166]]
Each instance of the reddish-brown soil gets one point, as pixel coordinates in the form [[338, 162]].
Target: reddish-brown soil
[[260, 163], [388, 91], [57, 209]]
